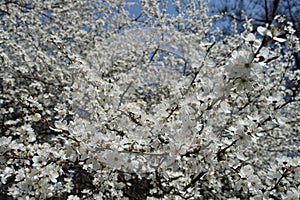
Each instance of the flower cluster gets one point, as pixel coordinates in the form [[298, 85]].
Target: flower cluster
[[104, 105]]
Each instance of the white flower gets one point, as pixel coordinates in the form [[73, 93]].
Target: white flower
[[36, 117], [246, 171], [273, 33], [254, 182], [135, 165], [243, 138], [251, 39], [114, 159], [243, 84], [242, 65], [39, 161], [241, 184], [6, 173], [73, 197], [51, 171]]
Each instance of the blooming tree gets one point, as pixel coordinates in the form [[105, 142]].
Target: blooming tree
[[99, 104]]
